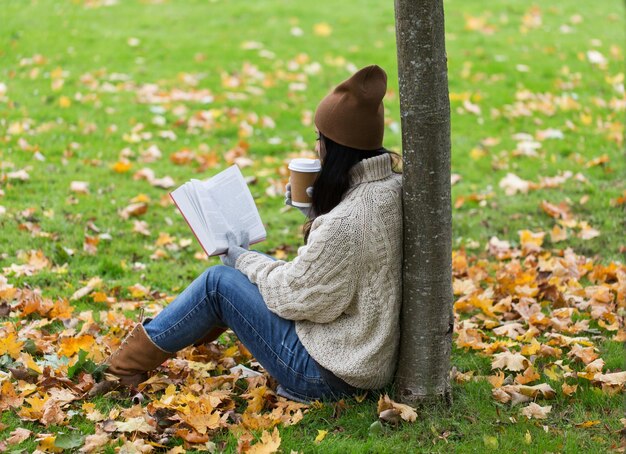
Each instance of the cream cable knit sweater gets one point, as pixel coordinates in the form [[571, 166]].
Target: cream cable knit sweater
[[344, 287]]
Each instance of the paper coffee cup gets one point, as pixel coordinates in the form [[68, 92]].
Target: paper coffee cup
[[303, 174]]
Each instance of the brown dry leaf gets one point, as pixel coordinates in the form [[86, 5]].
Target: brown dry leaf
[[600, 160], [533, 391], [496, 380], [90, 244], [52, 413], [560, 211], [192, 436], [584, 354], [133, 210], [536, 411], [501, 395], [529, 375], [558, 233], [406, 412], [568, 390], [614, 378], [531, 241], [18, 436], [521, 393], [10, 398], [94, 443], [182, 157]]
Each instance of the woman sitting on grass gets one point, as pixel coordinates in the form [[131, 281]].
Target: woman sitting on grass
[[325, 324]]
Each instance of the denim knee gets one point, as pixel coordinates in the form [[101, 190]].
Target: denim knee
[[214, 276]]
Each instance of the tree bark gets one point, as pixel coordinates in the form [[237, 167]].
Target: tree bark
[[427, 320]]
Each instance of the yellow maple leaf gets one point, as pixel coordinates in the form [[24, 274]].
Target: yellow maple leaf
[[35, 411], [121, 166], [9, 344], [531, 349], [9, 397], [320, 436], [30, 362], [71, 345], [202, 417], [529, 375], [99, 297], [558, 233], [46, 444], [61, 309], [257, 399], [268, 444], [164, 239], [138, 291], [531, 240], [65, 102], [322, 29]]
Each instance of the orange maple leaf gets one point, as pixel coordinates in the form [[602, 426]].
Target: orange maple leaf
[[71, 345]]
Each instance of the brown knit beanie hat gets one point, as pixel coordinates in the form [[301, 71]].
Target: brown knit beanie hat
[[353, 114]]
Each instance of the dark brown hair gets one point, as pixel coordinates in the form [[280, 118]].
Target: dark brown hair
[[334, 178]]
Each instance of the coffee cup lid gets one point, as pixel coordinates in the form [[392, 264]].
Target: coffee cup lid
[[305, 165]]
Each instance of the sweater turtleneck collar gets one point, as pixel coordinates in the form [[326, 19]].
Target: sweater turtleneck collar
[[371, 169]]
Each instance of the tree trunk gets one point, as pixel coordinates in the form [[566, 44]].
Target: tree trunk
[[427, 319]]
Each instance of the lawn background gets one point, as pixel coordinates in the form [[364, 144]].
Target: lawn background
[[137, 43]]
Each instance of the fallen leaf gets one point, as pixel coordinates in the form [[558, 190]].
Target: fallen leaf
[[10, 345], [322, 29], [536, 411], [320, 436], [80, 187], [510, 361], [138, 424], [18, 436], [268, 444], [568, 390], [406, 412]]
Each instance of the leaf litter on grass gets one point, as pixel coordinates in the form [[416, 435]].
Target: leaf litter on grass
[[537, 313]]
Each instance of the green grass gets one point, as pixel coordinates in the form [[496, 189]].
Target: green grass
[[205, 38]]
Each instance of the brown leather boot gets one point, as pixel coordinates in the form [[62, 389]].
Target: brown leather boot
[[136, 355]]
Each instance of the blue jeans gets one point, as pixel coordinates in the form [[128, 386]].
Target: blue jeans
[[225, 297]]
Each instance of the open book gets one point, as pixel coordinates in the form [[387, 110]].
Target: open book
[[215, 206]]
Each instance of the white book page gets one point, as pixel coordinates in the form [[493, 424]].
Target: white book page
[[229, 191], [220, 204], [184, 198]]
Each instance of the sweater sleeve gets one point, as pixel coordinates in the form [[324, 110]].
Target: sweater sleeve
[[319, 284]]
